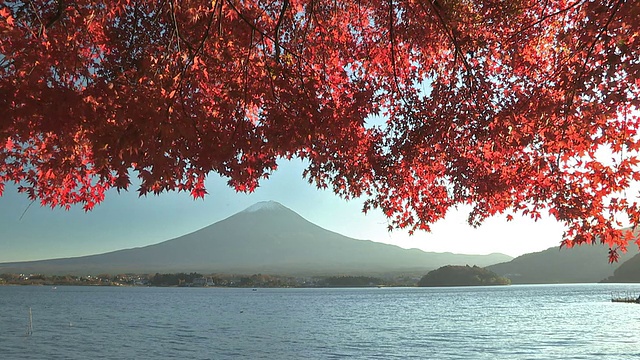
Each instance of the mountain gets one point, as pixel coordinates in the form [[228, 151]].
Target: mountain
[[627, 272], [264, 238], [580, 264]]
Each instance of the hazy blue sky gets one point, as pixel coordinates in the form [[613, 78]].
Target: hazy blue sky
[[125, 221]]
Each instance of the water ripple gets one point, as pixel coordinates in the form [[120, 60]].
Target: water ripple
[[515, 322]]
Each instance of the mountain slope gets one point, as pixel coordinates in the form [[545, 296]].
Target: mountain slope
[[627, 272], [581, 264], [266, 237]]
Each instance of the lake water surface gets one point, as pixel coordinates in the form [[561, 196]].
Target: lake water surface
[[510, 322]]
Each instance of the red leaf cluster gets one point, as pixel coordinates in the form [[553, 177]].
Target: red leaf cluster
[[503, 105]]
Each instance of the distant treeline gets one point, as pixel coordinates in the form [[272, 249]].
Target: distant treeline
[[451, 275], [260, 280], [39, 279], [197, 279], [158, 279], [350, 281], [176, 279]]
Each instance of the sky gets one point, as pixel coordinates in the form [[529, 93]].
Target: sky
[[125, 220]]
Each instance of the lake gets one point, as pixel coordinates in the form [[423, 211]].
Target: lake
[[509, 322]]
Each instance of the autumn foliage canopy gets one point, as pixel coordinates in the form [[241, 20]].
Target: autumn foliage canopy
[[510, 106]]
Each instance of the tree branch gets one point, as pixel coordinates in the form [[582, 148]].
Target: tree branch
[[285, 4]]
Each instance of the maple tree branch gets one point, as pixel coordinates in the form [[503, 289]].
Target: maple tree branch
[[219, 5], [26, 209], [392, 46], [134, 34], [261, 32], [246, 69], [572, 95], [57, 16], [176, 31], [4, 63], [285, 4], [450, 32], [161, 4], [35, 12], [194, 53], [544, 18], [208, 29], [270, 72], [310, 15]]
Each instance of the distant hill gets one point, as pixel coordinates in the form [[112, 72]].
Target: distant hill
[[462, 276], [265, 238], [627, 272], [580, 264]]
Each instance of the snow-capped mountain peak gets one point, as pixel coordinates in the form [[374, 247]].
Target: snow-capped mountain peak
[[264, 206]]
